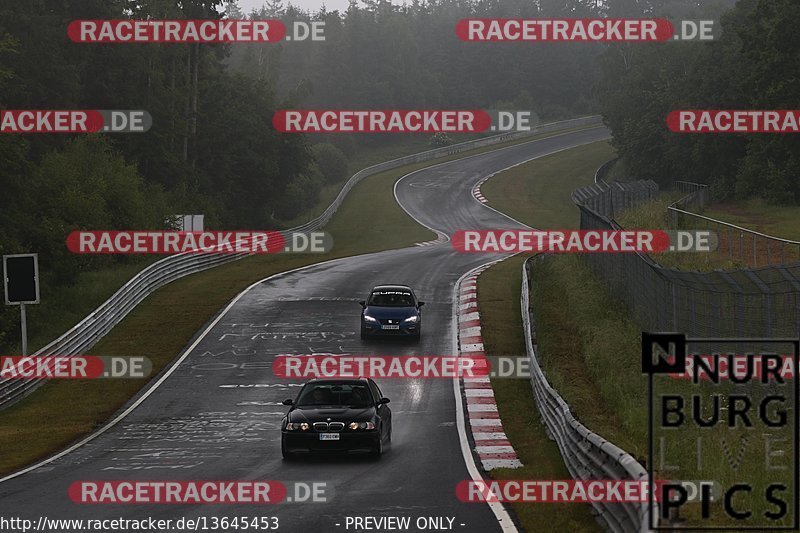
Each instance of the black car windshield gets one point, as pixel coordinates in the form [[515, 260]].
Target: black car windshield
[[391, 299], [338, 394]]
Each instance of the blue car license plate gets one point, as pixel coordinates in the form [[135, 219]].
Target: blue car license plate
[[387, 326]]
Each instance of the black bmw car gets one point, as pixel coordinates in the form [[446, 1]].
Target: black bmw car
[[343, 415], [391, 310]]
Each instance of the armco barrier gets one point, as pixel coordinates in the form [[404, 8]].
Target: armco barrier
[[91, 329], [759, 302], [586, 454]]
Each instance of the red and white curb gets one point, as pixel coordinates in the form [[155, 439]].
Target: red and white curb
[[491, 443], [440, 239], [476, 191]]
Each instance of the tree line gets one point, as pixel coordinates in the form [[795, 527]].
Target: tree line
[[212, 148], [752, 65]]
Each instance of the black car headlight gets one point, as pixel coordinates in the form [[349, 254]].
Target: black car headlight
[[360, 425], [298, 426]]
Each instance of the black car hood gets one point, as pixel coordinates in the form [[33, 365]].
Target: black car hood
[[399, 313], [336, 414]]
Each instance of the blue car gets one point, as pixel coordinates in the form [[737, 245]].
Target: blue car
[[391, 310]]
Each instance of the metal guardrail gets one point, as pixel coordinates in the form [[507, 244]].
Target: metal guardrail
[[586, 454], [602, 171], [91, 329], [735, 241]]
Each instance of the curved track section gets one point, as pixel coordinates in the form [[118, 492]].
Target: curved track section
[[216, 415]]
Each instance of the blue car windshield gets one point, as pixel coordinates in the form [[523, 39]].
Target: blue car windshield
[[391, 299]]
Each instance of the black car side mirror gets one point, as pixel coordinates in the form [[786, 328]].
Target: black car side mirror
[[384, 400], [420, 304], [288, 402], [362, 303]]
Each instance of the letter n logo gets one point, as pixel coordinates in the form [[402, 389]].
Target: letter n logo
[[663, 353]]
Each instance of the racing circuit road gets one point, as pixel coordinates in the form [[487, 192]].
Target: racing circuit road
[[216, 416]]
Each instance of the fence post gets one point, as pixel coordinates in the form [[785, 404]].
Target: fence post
[[755, 251]]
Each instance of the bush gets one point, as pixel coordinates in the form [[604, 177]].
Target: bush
[[440, 138], [301, 194], [331, 162]]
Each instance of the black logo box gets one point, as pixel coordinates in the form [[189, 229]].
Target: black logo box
[[675, 362]]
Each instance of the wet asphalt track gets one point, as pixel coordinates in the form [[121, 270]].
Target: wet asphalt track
[[217, 415]]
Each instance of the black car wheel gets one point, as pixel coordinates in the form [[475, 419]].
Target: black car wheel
[[287, 455], [378, 451]]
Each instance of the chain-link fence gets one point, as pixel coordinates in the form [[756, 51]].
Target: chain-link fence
[[748, 302], [745, 246]]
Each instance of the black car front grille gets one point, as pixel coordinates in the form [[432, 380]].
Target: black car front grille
[[325, 426]]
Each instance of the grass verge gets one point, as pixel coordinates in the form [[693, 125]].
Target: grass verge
[[161, 326], [756, 214], [590, 349], [654, 215], [538, 194], [387, 153], [501, 326]]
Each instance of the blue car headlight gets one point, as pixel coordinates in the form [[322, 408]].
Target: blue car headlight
[[411, 320], [368, 318]]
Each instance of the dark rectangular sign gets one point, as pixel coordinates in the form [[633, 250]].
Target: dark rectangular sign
[[21, 279]]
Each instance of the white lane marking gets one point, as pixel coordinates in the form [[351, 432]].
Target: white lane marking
[[161, 380], [486, 205], [513, 146], [499, 511]]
